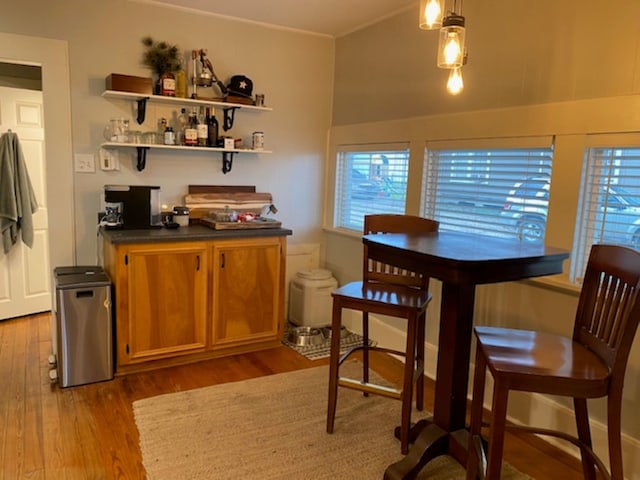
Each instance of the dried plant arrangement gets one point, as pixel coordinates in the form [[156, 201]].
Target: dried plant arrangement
[[161, 57]]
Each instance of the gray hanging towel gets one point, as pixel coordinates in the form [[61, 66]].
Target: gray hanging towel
[[17, 199]]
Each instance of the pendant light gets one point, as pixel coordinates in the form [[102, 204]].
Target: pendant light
[[455, 83], [451, 43], [431, 13], [452, 53]]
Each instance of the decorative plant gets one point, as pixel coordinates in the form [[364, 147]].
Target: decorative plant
[[160, 57]]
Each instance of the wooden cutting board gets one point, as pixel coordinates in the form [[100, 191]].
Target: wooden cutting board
[[203, 205], [264, 223]]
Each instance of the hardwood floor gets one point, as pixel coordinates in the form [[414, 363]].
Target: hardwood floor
[[88, 432]]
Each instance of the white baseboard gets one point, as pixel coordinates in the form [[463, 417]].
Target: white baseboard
[[540, 410]]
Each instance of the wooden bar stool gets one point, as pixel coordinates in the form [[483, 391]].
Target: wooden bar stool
[[385, 290], [591, 364]]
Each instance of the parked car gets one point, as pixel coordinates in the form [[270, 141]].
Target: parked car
[[527, 205]]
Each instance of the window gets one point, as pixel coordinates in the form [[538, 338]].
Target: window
[[609, 204], [370, 180], [497, 187]]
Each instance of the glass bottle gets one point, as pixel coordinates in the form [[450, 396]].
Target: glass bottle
[[183, 120], [202, 128], [162, 127], [191, 130], [212, 128], [168, 84], [169, 136], [181, 81]]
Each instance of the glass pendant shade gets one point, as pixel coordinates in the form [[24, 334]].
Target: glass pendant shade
[[451, 43], [455, 83], [431, 13]]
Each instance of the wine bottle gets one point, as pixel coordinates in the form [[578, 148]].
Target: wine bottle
[[202, 129], [191, 131], [212, 128]]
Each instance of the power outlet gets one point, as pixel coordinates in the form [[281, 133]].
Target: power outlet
[[84, 163]]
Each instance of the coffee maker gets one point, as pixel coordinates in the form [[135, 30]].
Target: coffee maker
[[138, 206]]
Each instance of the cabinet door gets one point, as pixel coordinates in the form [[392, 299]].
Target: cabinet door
[[247, 291], [167, 300]]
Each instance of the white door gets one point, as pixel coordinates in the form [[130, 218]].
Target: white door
[[25, 282]]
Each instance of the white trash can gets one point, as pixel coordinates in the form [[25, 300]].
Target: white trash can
[[310, 298]]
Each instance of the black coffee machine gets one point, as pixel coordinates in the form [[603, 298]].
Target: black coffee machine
[[139, 205]]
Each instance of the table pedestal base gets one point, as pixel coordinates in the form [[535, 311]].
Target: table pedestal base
[[430, 442]]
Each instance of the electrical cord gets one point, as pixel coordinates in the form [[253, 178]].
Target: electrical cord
[[99, 258]]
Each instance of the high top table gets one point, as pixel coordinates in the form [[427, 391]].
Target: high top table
[[461, 261]]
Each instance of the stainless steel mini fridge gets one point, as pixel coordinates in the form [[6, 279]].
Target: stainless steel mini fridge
[[83, 325]]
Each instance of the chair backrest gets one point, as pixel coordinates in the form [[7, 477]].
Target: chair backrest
[[609, 307], [374, 271]]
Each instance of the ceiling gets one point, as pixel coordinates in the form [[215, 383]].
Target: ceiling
[[326, 17]]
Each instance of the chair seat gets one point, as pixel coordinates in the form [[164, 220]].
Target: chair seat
[[543, 362], [385, 289], [590, 364], [384, 296]]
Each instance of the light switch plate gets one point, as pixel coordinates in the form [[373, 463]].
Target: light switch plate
[[109, 159], [84, 163]]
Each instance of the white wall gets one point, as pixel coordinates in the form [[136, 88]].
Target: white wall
[[52, 57], [519, 53], [292, 69], [568, 69]]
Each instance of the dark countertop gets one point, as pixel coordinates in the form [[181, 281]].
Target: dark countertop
[[185, 234]]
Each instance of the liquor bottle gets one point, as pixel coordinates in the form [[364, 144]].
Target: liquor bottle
[[168, 84], [191, 130], [183, 121], [181, 81], [202, 129], [212, 128]]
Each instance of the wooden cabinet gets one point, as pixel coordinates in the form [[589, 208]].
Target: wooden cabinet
[[247, 303], [160, 295], [184, 301]]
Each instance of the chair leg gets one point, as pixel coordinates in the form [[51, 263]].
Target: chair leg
[[334, 356], [407, 384], [614, 406], [365, 349], [584, 435], [420, 362], [473, 461], [496, 435]]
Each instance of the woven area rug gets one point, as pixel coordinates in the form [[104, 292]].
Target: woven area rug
[[274, 428], [314, 352]]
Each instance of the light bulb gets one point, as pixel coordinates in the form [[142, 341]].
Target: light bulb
[[430, 14], [455, 83], [452, 50]]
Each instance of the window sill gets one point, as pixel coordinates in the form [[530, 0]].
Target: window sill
[[343, 232], [558, 283]]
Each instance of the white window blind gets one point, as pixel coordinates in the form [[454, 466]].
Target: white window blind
[[609, 204], [370, 179], [500, 190]]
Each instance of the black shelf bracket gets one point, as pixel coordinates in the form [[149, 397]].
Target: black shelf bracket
[[229, 116], [142, 110], [142, 158], [227, 161]]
